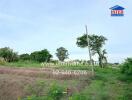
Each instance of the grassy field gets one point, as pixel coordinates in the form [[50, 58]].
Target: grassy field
[[107, 84], [26, 64], [32, 64]]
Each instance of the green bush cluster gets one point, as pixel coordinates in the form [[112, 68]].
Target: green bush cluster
[[126, 68], [55, 92]]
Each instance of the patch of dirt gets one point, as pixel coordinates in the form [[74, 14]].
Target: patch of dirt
[[12, 86]]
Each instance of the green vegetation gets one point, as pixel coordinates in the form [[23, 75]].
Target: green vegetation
[[43, 90], [38, 56], [41, 56], [56, 92], [109, 83], [8, 54], [2, 61], [35, 64], [26, 64], [25, 57], [95, 43], [127, 67], [106, 85], [62, 53]]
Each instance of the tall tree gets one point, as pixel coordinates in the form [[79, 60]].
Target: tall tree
[[8, 54], [62, 53], [95, 42]]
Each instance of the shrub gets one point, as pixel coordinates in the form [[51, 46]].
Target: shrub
[[126, 68], [56, 92], [125, 78]]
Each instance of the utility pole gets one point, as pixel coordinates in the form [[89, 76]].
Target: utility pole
[[90, 56]]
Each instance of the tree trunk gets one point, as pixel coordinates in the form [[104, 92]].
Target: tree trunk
[[100, 60]]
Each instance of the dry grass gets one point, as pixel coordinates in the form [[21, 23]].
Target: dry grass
[[12, 86], [44, 73]]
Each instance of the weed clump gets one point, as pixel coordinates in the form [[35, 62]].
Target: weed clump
[[56, 92]]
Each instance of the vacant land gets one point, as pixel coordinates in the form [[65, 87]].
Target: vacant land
[[107, 84], [14, 81]]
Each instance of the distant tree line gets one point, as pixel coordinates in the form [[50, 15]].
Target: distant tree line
[[9, 55], [40, 56], [96, 44]]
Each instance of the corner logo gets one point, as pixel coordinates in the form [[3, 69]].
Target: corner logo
[[117, 11]]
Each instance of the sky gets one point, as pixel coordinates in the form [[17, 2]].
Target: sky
[[32, 25]]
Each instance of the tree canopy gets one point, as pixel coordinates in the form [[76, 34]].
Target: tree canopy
[[25, 56], [41, 56], [95, 43], [8, 54], [62, 53]]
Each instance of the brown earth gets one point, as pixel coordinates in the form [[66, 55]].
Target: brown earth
[[14, 80]]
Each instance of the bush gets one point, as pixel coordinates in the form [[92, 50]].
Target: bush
[[125, 78], [56, 92], [126, 68]]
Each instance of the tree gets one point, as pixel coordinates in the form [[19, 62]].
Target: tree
[[41, 56], [8, 54], [62, 53], [95, 43], [25, 57]]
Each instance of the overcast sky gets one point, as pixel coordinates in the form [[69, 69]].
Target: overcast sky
[[31, 25]]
